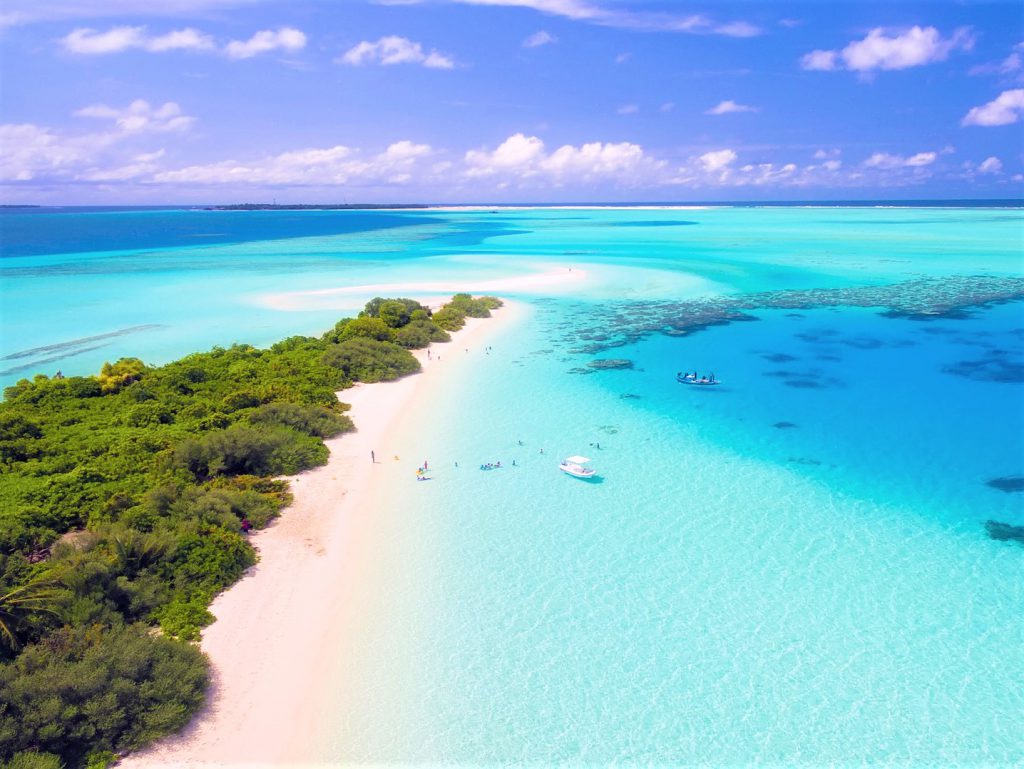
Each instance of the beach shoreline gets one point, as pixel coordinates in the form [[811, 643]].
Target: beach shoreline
[[552, 279], [270, 641]]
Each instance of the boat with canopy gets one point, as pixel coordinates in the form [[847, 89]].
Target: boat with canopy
[[576, 467]]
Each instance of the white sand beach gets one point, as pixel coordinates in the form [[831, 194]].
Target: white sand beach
[[269, 643], [553, 279]]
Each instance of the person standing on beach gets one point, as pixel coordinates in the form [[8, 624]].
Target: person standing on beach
[[373, 457]]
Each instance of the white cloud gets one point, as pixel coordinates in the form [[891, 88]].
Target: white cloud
[[141, 165], [825, 61], [885, 160], [397, 165], [516, 153], [538, 39], [180, 39], [1012, 64], [717, 160], [393, 49], [890, 50], [627, 109], [622, 58], [729, 106], [991, 165], [1005, 109], [667, 106], [86, 41], [648, 21], [29, 152], [140, 116], [524, 158], [266, 40], [117, 39]]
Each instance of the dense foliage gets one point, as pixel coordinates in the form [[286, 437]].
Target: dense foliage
[[122, 503], [89, 689]]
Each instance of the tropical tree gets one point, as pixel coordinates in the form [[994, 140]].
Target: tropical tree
[[20, 607]]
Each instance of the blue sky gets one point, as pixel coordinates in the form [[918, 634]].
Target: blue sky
[[205, 101]]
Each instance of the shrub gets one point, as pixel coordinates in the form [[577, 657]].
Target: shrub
[[420, 333], [184, 618], [311, 420], [450, 318], [88, 689], [369, 328], [365, 360], [114, 376], [30, 759], [244, 450]]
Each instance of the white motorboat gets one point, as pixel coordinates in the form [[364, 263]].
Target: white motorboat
[[691, 379], [576, 467]]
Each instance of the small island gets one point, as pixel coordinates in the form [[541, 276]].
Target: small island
[[127, 502]]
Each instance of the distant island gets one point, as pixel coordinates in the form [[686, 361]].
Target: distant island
[[312, 206]]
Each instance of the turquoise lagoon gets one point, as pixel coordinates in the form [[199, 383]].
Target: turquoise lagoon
[[790, 569]]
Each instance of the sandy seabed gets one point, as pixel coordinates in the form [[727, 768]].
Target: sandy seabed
[[273, 634]]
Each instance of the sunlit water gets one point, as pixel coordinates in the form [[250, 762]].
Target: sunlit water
[[791, 568]]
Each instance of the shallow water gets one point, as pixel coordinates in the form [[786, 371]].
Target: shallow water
[[791, 568]]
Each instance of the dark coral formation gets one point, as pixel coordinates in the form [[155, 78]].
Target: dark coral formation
[[810, 379], [995, 367], [620, 323], [602, 364], [784, 425], [1005, 532], [804, 461], [1009, 483]]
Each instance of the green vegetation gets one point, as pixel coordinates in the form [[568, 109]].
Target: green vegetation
[[122, 503]]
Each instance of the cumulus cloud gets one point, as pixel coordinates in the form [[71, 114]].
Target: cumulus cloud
[[140, 166], [667, 106], [31, 152], [729, 106], [538, 39], [1005, 109], [824, 61], [266, 40], [888, 50], [717, 160], [990, 165], [524, 157], [28, 151], [393, 49], [627, 109], [88, 41], [141, 116]]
